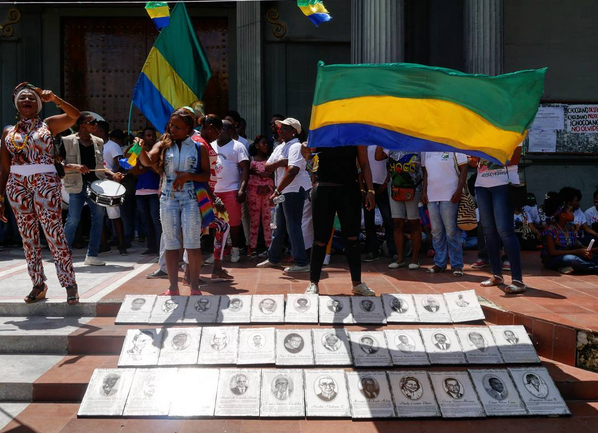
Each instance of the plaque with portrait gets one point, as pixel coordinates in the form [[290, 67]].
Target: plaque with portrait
[[538, 392], [497, 392], [514, 344], [282, 393], [301, 308], [194, 392], [335, 309], [413, 394], [267, 309], [202, 309], [442, 346], [257, 346], [369, 349], [464, 306], [151, 392], [368, 309], [135, 309], [399, 308], [456, 395], [369, 394], [326, 394], [107, 392], [234, 309], [239, 392], [406, 347], [180, 346], [168, 309], [294, 347], [331, 346], [219, 345], [432, 309], [141, 348], [478, 345]]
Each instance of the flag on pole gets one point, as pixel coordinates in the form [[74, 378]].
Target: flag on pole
[[159, 13], [175, 72], [404, 106], [314, 10]]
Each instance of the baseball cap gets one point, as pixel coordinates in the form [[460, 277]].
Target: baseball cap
[[291, 122]]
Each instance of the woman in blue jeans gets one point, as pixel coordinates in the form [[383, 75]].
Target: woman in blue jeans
[[496, 216]]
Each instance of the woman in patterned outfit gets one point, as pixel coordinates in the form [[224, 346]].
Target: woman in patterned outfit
[[28, 177]]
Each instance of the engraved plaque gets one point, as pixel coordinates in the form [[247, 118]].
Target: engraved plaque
[[406, 347], [478, 345], [195, 392], [464, 306], [413, 394], [239, 393], [497, 392], [107, 392], [282, 393], [168, 309], [151, 392], [456, 395], [335, 309], [369, 394], [257, 346], [442, 346], [294, 347], [514, 344], [267, 309], [369, 349], [202, 309], [301, 309], [234, 309], [326, 394], [219, 345], [331, 347], [400, 308], [180, 346], [538, 391], [141, 348], [368, 309], [136, 309], [432, 309]]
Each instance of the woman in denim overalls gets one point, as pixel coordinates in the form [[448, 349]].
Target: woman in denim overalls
[[180, 164]]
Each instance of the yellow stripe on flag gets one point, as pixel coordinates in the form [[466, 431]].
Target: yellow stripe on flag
[[160, 12]]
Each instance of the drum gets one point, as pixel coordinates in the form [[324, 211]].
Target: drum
[[106, 193]]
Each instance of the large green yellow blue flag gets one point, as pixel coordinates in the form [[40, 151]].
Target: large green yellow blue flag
[[175, 73], [421, 108]]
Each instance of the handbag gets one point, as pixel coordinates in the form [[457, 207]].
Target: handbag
[[400, 193], [466, 215], [517, 193]]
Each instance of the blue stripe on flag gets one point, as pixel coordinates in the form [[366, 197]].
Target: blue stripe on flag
[[151, 103]]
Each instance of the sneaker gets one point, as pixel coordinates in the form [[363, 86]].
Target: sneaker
[[263, 254], [395, 265], [371, 257], [210, 260], [413, 266], [296, 269], [506, 265], [235, 255], [363, 290], [312, 289], [567, 270], [157, 274], [327, 260], [94, 261], [479, 264], [266, 264]]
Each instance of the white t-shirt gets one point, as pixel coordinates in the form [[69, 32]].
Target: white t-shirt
[[443, 180], [580, 218], [378, 168], [591, 215], [227, 165], [111, 151], [491, 174], [532, 211], [292, 152]]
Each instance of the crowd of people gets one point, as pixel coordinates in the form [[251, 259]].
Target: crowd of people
[[274, 199]]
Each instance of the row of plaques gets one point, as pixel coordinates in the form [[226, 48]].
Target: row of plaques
[[456, 307], [207, 392], [231, 345]]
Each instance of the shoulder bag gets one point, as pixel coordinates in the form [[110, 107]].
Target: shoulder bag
[[466, 214]]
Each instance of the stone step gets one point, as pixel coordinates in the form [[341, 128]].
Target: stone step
[[58, 308], [9, 411], [19, 372]]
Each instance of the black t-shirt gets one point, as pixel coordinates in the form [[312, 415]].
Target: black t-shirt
[[88, 158], [337, 165]]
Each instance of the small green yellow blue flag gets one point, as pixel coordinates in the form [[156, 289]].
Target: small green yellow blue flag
[[314, 10], [159, 13]]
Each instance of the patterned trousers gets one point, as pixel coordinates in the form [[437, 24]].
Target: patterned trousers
[[36, 200]]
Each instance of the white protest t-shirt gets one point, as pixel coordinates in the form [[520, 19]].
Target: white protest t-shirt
[[378, 168], [296, 159], [442, 174], [227, 165], [111, 151], [491, 174], [591, 215]]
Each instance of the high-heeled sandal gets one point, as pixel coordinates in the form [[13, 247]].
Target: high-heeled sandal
[[516, 287], [32, 298], [72, 299], [496, 280]]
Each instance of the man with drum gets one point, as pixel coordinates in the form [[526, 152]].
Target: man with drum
[[84, 163]]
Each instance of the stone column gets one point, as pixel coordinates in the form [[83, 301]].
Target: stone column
[[249, 65], [484, 36], [377, 31]]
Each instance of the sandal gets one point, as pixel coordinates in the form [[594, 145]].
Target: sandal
[[458, 272], [171, 293], [222, 277], [516, 287], [72, 299], [37, 294], [397, 265], [435, 270], [496, 280]]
